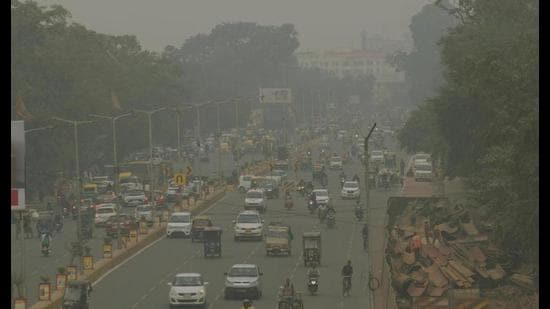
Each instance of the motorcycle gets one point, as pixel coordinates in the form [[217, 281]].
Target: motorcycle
[[342, 180], [58, 226], [301, 189], [346, 289], [46, 251], [311, 207], [313, 284]]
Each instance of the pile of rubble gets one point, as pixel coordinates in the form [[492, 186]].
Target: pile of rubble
[[441, 257]]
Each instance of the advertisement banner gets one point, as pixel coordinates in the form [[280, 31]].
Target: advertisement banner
[[275, 95]]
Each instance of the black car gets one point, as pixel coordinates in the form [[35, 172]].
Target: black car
[[270, 189]]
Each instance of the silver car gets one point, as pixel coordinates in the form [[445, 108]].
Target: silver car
[[243, 279]]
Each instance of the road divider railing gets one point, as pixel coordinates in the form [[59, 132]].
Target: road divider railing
[[103, 266]]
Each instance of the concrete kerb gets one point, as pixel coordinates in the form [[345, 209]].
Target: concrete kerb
[[104, 265]]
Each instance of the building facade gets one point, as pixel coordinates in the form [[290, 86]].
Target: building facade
[[347, 62]]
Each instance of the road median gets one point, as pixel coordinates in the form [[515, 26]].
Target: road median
[[103, 266]]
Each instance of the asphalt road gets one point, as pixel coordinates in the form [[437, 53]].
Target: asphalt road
[[37, 265], [141, 282]]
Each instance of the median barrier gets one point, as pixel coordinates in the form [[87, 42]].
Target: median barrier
[[102, 266]]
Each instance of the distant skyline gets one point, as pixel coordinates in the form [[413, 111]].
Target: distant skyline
[[321, 24]]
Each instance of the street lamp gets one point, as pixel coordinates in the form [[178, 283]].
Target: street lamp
[[115, 162], [75, 124], [149, 115], [178, 111]]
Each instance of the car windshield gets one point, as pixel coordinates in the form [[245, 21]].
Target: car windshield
[[105, 210], [135, 193], [243, 272], [277, 234], [248, 218], [254, 195], [201, 222], [377, 153], [247, 178], [73, 294], [336, 159], [187, 281], [180, 219], [310, 243], [321, 194], [422, 157], [144, 208], [351, 185]]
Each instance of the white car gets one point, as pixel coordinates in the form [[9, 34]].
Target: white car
[[244, 279], [321, 195], [423, 171], [103, 212], [248, 224], [134, 198], [336, 163], [179, 223], [187, 289], [245, 182], [255, 199], [377, 156], [350, 190], [144, 211]]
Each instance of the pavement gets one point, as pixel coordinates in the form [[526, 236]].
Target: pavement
[[141, 282]]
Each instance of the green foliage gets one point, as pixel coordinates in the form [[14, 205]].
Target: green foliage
[[423, 65], [487, 114]]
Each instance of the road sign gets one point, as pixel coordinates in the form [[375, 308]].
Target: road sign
[[180, 179], [275, 95]]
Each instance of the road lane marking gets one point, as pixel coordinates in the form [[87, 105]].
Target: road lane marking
[[141, 250]]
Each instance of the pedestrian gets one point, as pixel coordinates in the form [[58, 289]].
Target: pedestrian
[[416, 244], [437, 236]]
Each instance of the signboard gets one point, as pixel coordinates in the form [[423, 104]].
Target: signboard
[[275, 95], [133, 234], [180, 179], [107, 251], [44, 294], [17, 165], [17, 199], [60, 280], [71, 272], [88, 262]]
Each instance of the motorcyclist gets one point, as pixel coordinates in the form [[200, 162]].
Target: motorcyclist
[[365, 233], [309, 186], [347, 273], [58, 221], [287, 195], [45, 241], [355, 178], [342, 175], [313, 271], [301, 183], [247, 304], [358, 209]]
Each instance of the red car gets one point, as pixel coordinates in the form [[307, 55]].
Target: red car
[[126, 223]]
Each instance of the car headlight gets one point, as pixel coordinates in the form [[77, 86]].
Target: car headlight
[[201, 291]]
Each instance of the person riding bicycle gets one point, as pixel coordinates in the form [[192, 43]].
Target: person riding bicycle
[[365, 233], [347, 272]]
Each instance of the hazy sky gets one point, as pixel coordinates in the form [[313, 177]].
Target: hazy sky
[[320, 23]]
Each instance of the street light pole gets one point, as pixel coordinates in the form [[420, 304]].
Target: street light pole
[[116, 167], [75, 125], [367, 189], [149, 115]]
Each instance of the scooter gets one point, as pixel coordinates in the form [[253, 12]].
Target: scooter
[[313, 284]]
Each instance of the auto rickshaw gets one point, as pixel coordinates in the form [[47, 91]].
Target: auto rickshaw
[[77, 295], [212, 241], [311, 242], [197, 227]]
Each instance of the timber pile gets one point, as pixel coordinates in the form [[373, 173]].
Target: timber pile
[[462, 259]]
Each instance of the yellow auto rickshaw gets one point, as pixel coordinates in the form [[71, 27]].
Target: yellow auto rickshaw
[[197, 227]]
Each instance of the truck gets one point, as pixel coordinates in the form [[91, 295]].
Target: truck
[[278, 239]]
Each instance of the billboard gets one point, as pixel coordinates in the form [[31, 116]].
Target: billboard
[[275, 95], [18, 164]]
